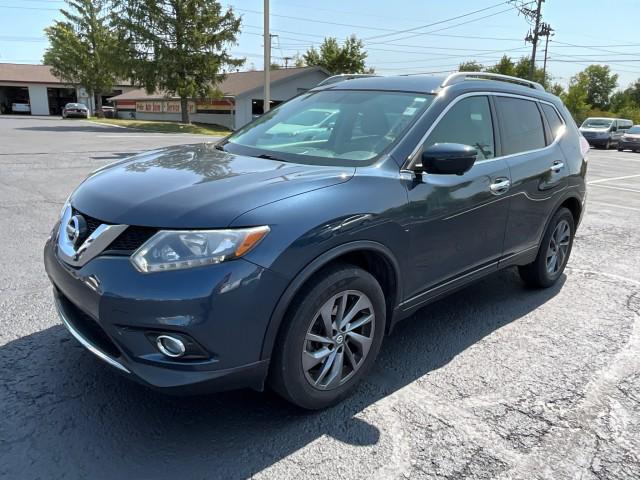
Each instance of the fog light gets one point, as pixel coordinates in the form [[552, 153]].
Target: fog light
[[170, 346]]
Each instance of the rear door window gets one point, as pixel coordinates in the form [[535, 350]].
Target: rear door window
[[553, 119], [521, 124]]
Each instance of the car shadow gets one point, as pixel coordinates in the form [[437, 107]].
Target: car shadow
[[66, 413]]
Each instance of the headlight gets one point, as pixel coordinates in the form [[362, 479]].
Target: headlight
[[178, 249]]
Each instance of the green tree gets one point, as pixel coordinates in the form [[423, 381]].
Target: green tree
[[81, 47], [557, 90], [599, 83], [634, 93], [504, 67], [298, 61], [471, 66], [348, 58], [521, 70], [620, 100], [178, 46], [575, 99]]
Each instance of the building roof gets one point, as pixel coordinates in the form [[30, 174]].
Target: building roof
[[17, 72], [29, 73], [234, 84]]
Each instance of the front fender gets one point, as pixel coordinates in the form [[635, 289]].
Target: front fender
[[307, 272]]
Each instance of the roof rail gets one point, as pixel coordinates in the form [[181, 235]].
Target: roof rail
[[345, 76], [462, 76]]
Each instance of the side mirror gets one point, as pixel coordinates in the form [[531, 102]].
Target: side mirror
[[448, 158]]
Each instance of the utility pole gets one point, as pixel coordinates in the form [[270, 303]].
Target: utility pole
[[533, 16], [547, 32], [266, 102], [534, 40]]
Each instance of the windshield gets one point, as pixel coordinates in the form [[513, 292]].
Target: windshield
[[310, 117], [635, 130], [330, 127], [597, 123], [74, 105]]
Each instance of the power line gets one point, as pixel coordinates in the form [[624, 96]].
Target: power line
[[22, 7], [431, 32], [436, 23], [8, 38], [303, 19]]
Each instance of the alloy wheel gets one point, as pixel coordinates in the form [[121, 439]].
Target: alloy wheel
[[338, 340], [558, 247]]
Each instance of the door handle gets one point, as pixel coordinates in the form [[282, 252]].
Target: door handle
[[500, 186], [557, 166]]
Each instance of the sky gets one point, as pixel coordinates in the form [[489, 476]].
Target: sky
[[585, 32]]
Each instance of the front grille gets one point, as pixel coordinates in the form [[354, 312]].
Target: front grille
[[132, 239], [128, 241], [88, 327]]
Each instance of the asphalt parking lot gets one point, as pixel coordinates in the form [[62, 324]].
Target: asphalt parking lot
[[494, 382]]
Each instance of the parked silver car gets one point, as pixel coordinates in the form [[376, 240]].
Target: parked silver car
[[75, 110], [604, 132]]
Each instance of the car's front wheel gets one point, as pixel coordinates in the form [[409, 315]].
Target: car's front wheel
[[553, 253], [330, 337]]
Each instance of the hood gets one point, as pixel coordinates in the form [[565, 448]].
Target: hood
[[195, 186]]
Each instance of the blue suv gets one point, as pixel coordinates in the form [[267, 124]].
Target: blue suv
[[282, 256]]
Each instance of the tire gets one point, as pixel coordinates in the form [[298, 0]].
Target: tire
[[312, 383], [620, 149], [539, 274]]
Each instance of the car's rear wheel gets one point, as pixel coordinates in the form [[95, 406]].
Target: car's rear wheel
[[330, 337], [553, 253]]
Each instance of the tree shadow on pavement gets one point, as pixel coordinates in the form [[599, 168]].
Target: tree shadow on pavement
[[67, 414], [79, 126]]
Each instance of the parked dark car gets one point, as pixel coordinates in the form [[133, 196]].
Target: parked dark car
[[75, 110], [260, 260], [630, 140]]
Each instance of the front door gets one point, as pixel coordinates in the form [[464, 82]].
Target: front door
[[457, 223]]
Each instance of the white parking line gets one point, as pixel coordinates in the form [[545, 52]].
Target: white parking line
[[614, 157], [600, 180], [618, 188], [613, 205]]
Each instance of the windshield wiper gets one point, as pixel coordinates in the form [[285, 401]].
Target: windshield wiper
[[269, 157], [218, 146]]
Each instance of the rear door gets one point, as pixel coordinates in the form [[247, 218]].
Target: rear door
[[537, 164]]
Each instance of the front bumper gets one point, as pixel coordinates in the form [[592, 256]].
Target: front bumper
[[113, 310], [76, 115], [598, 142], [628, 145]]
